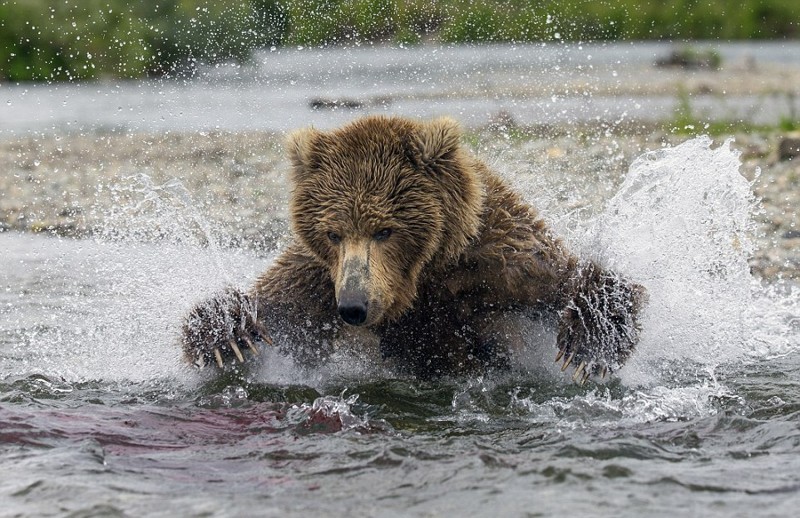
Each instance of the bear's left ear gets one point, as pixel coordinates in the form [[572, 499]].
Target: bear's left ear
[[301, 146], [435, 143]]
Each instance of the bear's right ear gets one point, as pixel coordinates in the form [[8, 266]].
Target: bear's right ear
[[301, 146], [435, 143]]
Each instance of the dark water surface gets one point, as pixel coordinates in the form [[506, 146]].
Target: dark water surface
[[513, 447]]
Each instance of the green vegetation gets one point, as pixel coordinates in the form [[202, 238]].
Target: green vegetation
[[83, 39], [317, 22], [686, 122]]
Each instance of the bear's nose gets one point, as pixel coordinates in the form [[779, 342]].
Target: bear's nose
[[352, 309]]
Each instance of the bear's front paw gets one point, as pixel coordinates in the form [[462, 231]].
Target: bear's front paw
[[217, 330], [599, 327]]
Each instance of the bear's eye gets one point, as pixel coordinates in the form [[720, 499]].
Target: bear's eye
[[335, 238], [382, 235]]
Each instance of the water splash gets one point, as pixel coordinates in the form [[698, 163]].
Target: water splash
[[328, 414], [682, 225], [149, 212], [599, 408], [111, 307]]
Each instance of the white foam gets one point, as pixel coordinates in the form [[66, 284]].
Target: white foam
[[599, 409]]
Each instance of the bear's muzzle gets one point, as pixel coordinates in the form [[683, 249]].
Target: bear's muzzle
[[353, 295], [353, 308]]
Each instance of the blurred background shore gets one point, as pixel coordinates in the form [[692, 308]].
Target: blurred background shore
[[43, 40]]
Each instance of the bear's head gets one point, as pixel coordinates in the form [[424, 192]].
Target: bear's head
[[378, 202]]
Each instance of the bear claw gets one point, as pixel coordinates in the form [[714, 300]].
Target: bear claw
[[218, 356], [236, 351], [262, 333], [578, 371], [567, 362], [252, 346]]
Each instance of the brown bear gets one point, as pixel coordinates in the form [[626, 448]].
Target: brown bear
[[400, 231]]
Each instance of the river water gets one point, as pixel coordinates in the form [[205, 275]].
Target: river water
[[536, 84], [99, 416]]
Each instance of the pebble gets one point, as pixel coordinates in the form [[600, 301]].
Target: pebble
[[789, 148]]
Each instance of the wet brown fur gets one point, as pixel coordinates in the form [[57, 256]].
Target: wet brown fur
[[463, 249]]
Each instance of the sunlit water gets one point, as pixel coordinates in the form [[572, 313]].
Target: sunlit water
[[100, 416]]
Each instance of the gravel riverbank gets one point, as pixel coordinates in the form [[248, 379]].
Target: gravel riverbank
[[232, 186]]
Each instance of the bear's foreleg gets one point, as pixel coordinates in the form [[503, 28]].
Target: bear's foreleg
[[599, 326], [292, 303]]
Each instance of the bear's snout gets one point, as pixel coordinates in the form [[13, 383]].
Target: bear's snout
[[353, 308], [353, 296]]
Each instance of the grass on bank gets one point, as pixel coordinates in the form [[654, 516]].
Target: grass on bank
[[686, 122], [84, 39], [42, 40]]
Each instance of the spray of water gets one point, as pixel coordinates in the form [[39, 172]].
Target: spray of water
[[682, 225], [127, 291]]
